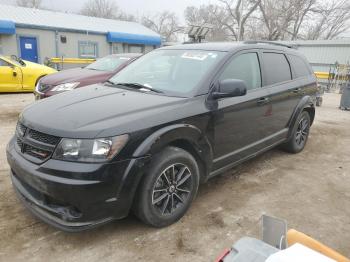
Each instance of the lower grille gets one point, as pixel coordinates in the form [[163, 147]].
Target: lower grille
[[35, 146], [36, 152]]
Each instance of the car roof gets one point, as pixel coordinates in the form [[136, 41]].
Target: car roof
[[131, 55], [229, 46]]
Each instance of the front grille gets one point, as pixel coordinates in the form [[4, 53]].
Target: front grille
[[21, 129], [44, 138], [34, 145], [19, 143]]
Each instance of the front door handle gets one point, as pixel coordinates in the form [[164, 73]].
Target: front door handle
[[263, 100]]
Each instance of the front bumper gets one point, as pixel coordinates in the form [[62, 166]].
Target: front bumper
[[75, 196], [39, 95]]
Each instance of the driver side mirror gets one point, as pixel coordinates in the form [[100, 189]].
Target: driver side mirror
[[230, 88]]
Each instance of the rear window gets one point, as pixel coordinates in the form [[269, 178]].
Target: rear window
[[299, 66], [276, 69]]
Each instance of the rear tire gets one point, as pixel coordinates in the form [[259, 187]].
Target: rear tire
[[300, 134], [168, 187]]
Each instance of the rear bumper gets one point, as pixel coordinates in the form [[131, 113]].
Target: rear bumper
[[75, 196]]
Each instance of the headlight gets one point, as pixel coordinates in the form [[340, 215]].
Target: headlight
[[37, 87], [65, 87], [90, 150]]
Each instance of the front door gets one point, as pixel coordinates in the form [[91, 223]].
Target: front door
[[11, 77], [242, 123], [29, 48]]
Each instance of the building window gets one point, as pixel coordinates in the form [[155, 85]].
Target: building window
[[117, 48], [88, 49], [63, 39], [135, 48]]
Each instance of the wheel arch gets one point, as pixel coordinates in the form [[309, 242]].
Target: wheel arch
[[305, 104], [184, 136], [311, 111]]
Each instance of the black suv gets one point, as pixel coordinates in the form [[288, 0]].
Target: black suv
[[146, 139]]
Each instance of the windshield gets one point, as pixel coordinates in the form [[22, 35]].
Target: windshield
[[14, 61], [108, 63], [170, 71]]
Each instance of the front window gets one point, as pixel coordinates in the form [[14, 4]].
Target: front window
[[170, 71], [244, 67], [108, 63]]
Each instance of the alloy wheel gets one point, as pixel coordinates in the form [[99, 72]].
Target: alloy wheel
[[302, 131], [172, 189]]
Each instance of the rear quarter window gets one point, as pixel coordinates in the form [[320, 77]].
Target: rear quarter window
[[300, 67], [276, 68]]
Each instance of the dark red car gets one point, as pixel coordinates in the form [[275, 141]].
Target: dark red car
[[97, 72]]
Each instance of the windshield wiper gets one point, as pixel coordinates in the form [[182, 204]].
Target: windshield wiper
[[138, 86], [110, 82]]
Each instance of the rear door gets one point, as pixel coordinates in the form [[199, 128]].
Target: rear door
[[284, 91], [241, 123], [303, 73]]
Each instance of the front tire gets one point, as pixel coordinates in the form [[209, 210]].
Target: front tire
[[168, 187], [300, 134]]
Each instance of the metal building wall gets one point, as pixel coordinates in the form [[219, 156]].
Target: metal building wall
[[321, 57]]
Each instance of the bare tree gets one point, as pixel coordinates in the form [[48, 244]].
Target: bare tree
[[100, 8], [273, 19], [276, 17], [303, 19], [284, 19], [29, 3], [302, 12], [235, 17], [329, 20], [105, 9], [165, 23]]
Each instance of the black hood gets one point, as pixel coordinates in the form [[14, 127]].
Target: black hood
[[101, 111]]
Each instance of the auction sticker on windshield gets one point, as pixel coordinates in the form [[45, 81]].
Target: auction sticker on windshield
[[195, 55]]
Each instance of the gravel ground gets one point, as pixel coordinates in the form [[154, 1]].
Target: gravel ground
[[311, 190]]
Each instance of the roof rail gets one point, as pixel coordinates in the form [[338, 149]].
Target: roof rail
[[268, 42]]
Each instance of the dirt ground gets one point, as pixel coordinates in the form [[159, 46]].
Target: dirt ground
[[311, 190]]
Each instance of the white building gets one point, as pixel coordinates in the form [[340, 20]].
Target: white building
[[38, 34]]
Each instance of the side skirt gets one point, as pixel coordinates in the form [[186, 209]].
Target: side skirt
[[230, 166]]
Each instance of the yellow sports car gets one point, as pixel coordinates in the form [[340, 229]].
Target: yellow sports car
[[17, 75]]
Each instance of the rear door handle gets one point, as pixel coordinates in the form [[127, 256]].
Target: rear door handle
[[263, 100]]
